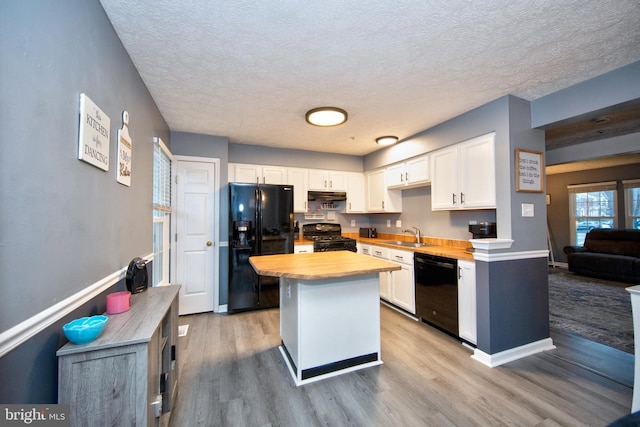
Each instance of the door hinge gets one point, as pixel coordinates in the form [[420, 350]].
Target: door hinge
[[176, 179], [175, 237]]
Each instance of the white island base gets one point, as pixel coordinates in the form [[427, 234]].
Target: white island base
[[329, 326]]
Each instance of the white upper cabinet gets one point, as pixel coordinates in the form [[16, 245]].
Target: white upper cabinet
[[322, 180], [257, 174], [355, 193], [298, 178], [410, 174], [379, 198], [463, 175]]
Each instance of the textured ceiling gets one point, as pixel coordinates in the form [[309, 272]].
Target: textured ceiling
[[250, 69]]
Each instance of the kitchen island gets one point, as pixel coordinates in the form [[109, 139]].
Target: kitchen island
[[329, 311]]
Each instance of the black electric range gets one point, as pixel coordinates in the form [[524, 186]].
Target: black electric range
[[326, 237]]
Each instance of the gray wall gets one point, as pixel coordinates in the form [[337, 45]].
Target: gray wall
[[64, 223], [255, 154], [589, 98]]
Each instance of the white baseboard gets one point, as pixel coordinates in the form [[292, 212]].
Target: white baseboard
[[497, 359], [12, 338]]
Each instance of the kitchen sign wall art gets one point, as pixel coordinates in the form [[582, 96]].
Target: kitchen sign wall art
[[124, 152], [530, 167], [93, 138]]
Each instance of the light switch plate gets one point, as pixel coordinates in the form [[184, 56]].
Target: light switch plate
[[527, 209], [398, 223]]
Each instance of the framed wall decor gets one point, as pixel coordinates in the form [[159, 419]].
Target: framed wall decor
[[124, 152], [93, 136], [530, 171]]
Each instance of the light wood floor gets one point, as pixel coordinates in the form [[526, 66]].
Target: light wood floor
[[232, 374]]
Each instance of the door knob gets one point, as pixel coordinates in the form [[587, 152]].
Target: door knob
[[209, 243]]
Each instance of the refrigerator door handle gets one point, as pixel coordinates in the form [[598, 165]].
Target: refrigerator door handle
[[258, 222]]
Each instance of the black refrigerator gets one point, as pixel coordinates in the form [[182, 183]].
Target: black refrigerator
[[260, 223]]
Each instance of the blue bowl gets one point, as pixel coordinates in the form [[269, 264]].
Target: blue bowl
[[85, 329]]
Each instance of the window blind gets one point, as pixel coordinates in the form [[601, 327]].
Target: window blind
[[588, 188], [161, 178]]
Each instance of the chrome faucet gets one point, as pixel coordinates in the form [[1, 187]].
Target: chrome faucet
[[414, 233]]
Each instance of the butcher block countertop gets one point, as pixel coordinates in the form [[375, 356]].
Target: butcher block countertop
[[320, 265], [438, 248]]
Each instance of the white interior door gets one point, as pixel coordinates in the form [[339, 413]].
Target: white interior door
[[196, 236]]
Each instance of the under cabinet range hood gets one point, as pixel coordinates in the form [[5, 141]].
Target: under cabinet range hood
[[326, 196]]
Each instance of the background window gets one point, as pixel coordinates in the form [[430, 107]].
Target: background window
[[161, 212], [591, 206], [632, 203]]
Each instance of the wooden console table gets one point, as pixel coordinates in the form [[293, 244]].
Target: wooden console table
[[129, 374]]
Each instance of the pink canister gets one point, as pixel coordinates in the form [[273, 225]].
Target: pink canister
[[118, 302]]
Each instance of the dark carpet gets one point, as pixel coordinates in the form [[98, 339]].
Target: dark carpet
[[595, 309]]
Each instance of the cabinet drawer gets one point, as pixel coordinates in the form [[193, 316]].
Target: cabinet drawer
[[380, 252], [403, 257]]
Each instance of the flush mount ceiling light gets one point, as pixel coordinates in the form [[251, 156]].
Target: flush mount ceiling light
[[326, 116], [387, 140]]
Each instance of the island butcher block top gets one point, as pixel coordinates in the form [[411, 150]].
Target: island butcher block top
[[320, 265]]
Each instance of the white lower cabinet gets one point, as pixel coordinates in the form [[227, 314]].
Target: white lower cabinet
[[302, 249], [396, 287], [364, 249], [385, 278], [467, 319], [402, 283]]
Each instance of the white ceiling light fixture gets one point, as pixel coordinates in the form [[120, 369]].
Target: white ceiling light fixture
[[387, 140], [326, 116]]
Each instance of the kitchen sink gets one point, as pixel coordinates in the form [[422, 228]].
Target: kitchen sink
[[407, 244]]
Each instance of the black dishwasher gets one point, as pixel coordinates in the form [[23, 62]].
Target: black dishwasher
[[437, 291]]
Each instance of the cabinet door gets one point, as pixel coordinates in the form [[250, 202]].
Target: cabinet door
[[444, 179], [385, 286], [298, 178], [355, 193], [477, 173], [318, 180], [417, 171], [338, 181], [375, 191], [403, 289], [467, 322], [396, 176], [274, 175], [251, 174]]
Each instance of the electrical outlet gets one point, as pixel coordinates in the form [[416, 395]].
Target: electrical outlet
[[353, 222], [398, 223], [527, 209], [388, 223]]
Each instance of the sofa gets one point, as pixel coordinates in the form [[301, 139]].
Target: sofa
[[612, 254]]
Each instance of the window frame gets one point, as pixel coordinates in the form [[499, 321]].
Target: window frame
[[629, 218], [162, 214], [598, 187]]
